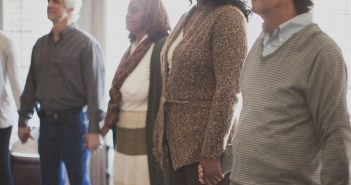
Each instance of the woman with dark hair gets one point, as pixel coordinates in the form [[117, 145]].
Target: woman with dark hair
[[135, 95], [201, 63]]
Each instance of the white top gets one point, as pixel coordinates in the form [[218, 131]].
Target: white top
[[135, 89], [172, 47], [10, 82]]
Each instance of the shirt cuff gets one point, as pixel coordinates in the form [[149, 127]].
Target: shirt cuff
[[94, 128], [22, 122]]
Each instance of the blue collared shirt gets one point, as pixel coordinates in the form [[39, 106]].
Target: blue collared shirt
[[284, 32]]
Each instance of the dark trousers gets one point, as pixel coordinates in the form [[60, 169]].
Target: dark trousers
[[188, 175], [61, 142], [5, 170]]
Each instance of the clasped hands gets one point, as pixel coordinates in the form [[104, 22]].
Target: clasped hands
[[210, 171], [93, 141]]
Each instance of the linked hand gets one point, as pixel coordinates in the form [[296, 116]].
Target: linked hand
[[24, 134], [104, 130], [93, 141], [200, 171], [211, 171], [157, 153]]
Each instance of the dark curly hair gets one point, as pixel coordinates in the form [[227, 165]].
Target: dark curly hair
[[156, 20], [303, 6], [241, 4]]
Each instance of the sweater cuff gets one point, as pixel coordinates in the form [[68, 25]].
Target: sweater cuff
[[22, 122], [94, 128]]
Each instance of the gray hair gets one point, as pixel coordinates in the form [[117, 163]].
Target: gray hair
[[75, 5]]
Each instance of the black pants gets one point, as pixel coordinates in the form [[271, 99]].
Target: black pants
[[188, 175], [5, 170]]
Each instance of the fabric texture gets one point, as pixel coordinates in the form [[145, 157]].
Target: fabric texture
[[156, 175], [127, 65], [131, 155], [5, 169], [66, 74], [199, 94], [61, 141], [10, 91], [294, 126], [10, 82]]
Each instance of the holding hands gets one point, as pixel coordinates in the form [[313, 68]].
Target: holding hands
[[210, 171], [93, 141], [24, 134]]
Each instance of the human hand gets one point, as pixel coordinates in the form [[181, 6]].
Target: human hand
[[104, 130], [200, 171], [157, 153], [24, 134], [211, 171], [93, 141]]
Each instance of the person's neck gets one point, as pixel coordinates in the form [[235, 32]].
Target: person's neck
[[273, 19], [139, 35], [200, 4], [58, 27]]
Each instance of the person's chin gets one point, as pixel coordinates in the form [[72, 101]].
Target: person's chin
[[129, 28], [51, 16]]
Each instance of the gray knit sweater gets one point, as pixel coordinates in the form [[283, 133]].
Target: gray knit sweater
[[294, 126]]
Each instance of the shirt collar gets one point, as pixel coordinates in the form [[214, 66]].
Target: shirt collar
[[135, 44], [64, 31], [288, 28]]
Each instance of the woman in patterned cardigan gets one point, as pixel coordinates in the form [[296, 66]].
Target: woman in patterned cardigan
[[201, 63]]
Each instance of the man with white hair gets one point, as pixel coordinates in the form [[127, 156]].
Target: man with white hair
[[66, 76]]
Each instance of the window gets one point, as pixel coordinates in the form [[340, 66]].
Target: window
[[25, 21]]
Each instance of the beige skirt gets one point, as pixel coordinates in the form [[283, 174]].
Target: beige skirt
[[130, 161]]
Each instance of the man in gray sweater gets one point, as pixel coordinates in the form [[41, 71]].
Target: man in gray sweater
[[294, 127]]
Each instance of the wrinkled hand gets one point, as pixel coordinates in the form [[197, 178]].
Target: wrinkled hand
[[24, 134], [211, 171], [93, 141], [104, 130]]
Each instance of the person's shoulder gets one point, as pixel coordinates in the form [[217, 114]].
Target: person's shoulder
[[6, 42], [318, 37], [83, 36], [228, 12], [82, 33], [5, 39], [228, 9]]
